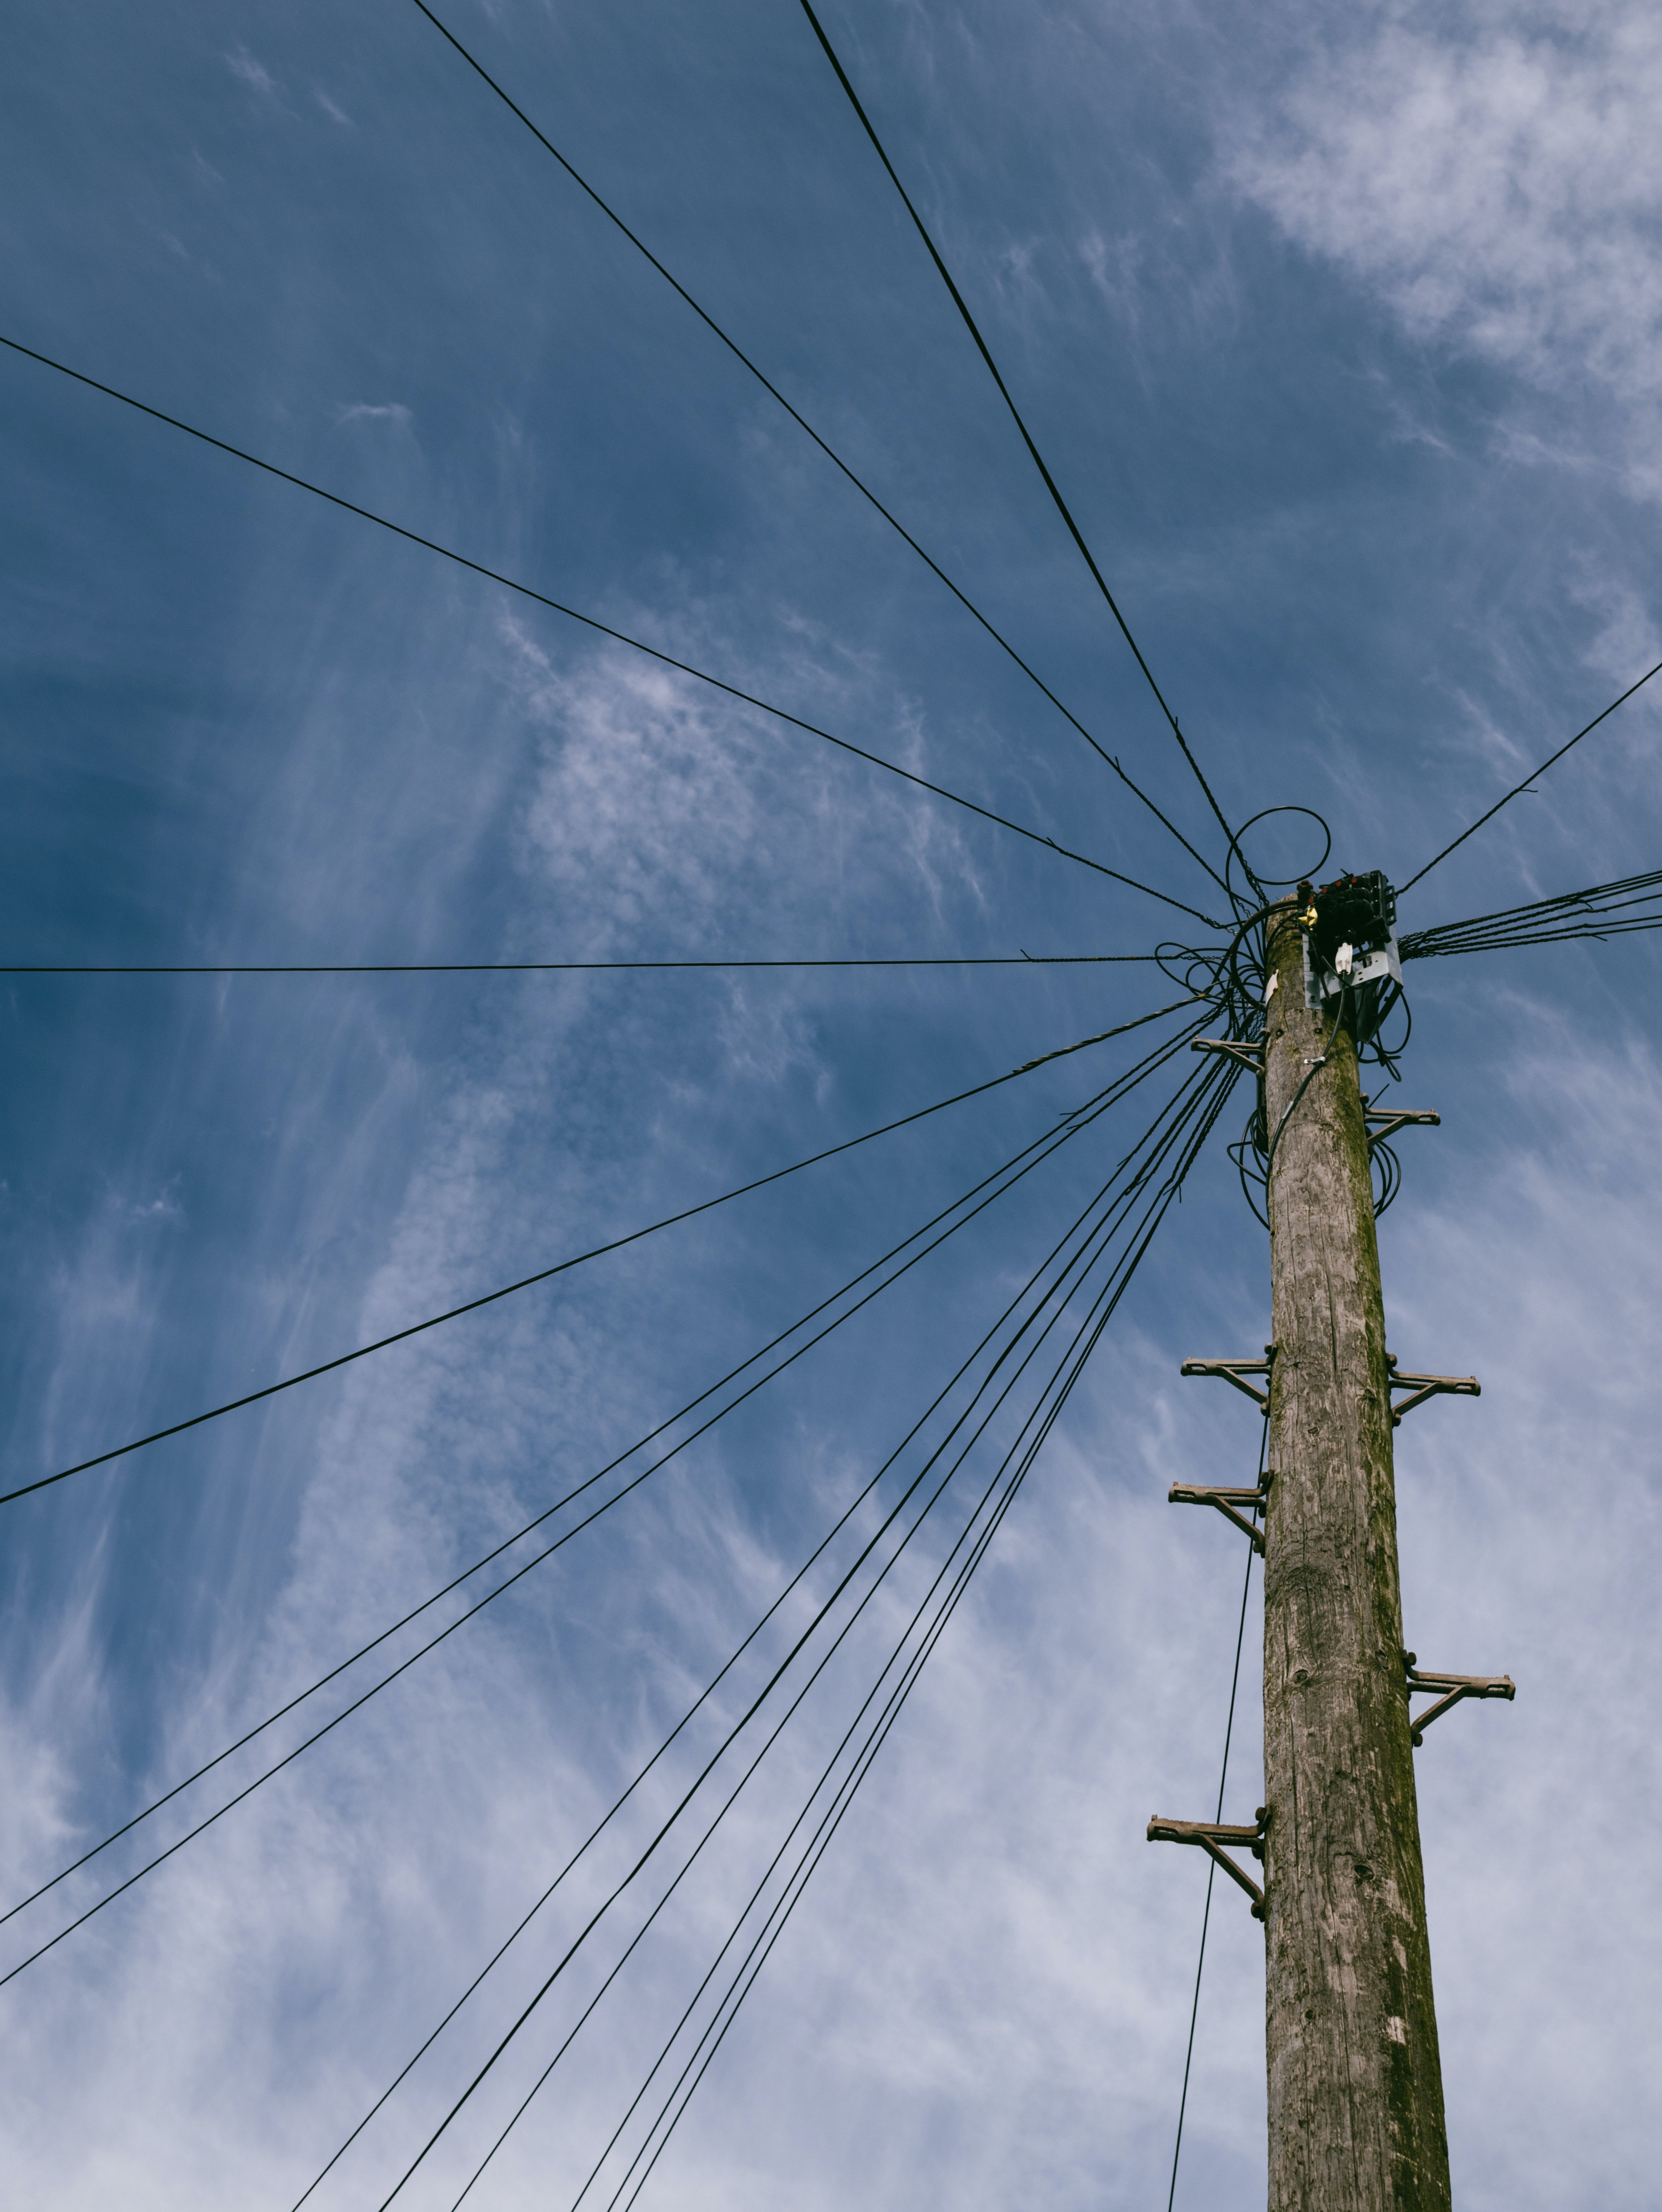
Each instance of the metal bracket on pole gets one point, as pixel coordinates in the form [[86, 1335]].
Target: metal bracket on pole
[[1211, 1836], [1423, 1387], [1235, 1372], [1384, 1121], [1228, 1503], [1451, 1688], [1249, 1055]]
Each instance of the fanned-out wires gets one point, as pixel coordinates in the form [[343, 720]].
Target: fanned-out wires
[[802, 422], [1200, 1094], [588, 621], [964, 1209], [1626, 909], [1037, 458], [1218, 1085], [1209, 1084], [1203, 1097], [562, 1266], [866, 1493]]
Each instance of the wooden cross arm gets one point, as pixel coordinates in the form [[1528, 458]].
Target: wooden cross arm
[[1385, 1121], [1422, 1387], [1249, 1055], [1226, 1501], [1233, 1372], [1211, 1836], [1453, 1687]]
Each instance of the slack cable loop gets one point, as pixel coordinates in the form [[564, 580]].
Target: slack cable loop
[[1286, 883], [590, 622]]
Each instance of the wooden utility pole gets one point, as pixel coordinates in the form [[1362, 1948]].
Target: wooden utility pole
[[1355, 2083]]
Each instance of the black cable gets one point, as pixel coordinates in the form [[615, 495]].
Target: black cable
[[1163, 1202], [832, 1814], [835, 458], [603, 629], [664, 1830], [1053, 1140], [1062, 507], [1049, 1141], [1196, 1085], [357, 1705], [819, 1669], [1096, 1321], [1520, 788], [1602, 911], [562, 1266], [600, 966], [1212, 1864]]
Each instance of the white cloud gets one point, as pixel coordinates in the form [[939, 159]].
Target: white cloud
[[243, 66], [1496, 174], [389, 410]]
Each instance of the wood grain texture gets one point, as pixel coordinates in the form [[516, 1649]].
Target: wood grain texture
[[1356, 2084]]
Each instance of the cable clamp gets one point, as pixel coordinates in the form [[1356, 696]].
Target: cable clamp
[[1448, 1690], [1211, 1836], [1229, 1502]]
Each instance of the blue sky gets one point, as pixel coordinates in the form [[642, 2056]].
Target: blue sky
[[1340, 333]]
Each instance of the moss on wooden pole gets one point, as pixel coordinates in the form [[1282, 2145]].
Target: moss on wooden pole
[[1356, 2084]]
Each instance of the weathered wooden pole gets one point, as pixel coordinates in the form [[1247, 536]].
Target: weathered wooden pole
[[1355, 2083]]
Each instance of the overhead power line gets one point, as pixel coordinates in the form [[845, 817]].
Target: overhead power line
[[589, 622], [744, 1980], [584, 967], [1214, 1081], [1626, 909], [1039, 461], [519, 1575], [1518, 788], [753, 1707], [578, 1260], [835, 458], [1051, 1142], [1011, 1173], [839, 1801]]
